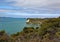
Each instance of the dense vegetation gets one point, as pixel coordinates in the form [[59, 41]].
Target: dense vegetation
[[49, 31]]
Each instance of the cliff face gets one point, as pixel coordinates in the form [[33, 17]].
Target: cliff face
[[36, 38], [30, 37], [48, 32]]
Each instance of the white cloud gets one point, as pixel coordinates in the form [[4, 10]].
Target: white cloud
[[37, 3], [2, 10], [29, 3], [33, 6]]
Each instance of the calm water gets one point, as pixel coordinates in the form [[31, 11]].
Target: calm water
[[12, 25]]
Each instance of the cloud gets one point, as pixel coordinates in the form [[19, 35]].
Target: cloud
[[6, 10], [31, 6], [17, 14], [28, 3], [36, 3], [1, 10]]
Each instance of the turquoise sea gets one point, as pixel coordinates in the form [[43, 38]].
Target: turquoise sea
[[12, 25]]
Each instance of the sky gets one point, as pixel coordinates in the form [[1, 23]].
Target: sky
[[29, 8]]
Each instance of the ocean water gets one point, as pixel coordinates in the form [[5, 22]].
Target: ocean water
[[12, 25]]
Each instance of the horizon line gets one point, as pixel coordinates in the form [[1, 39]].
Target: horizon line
[[31, 15]]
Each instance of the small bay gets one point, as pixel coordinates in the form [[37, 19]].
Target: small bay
[[12, 25]]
